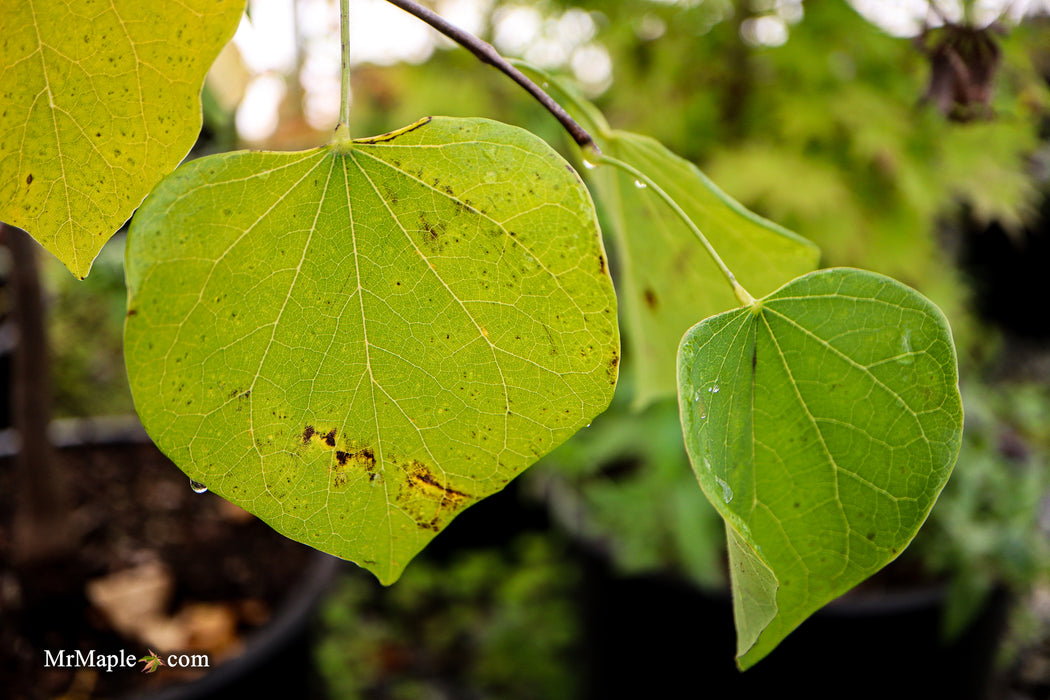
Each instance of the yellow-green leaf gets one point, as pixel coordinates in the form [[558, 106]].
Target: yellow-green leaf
[[357, 343], [99, 100]]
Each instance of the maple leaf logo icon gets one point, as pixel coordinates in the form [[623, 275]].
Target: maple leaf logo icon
[[152, 662]]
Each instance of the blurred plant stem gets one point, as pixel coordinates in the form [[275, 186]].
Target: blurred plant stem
[[41, 525]]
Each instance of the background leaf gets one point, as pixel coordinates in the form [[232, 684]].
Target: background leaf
[[357, 346], [100, 101], [666, 280], [822, 423]]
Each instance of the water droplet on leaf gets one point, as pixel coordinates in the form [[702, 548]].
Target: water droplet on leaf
[[197, 486], [640, 185], [713, 389], [727, 492], [905, 357]]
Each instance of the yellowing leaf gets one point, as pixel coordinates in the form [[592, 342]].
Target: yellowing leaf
[[822, 423], [98, 101], [358, 343]]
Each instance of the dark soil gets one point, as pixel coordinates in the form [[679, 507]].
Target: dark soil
[[131, 506]]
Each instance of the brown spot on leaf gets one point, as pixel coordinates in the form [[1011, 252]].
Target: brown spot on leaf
[[329, 438], [422, 475], [426, 499], [29, 179], [650, 299], [432, 231], [308, 432]]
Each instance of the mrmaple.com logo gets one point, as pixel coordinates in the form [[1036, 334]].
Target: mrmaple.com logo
[[122, 659]]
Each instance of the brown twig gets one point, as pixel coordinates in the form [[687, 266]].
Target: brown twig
[[487, 54]]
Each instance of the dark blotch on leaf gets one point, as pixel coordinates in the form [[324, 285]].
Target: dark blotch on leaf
[[308, 432], [614, 363], [650, 299], [330, 438], [420, 474], [421, 482]]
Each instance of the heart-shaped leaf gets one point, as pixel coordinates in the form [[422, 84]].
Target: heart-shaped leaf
[[98, 102], [356, 343], [822, 422]]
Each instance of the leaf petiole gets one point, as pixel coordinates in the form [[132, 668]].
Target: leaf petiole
[[341, 137], [592, 158]]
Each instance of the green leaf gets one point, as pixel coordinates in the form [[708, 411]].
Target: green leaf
[[822, 423], [100, 100], [357, 343], [667, 281]]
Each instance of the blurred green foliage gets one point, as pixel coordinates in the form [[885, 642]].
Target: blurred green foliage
[[989, 527], [85, 321], [624, 486], [488, 623]]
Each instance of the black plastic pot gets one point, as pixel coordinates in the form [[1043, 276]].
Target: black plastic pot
[[277, 660], [652, 637]]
